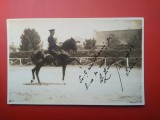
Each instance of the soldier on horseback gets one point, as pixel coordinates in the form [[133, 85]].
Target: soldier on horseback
[[53, 48], [59, 56]]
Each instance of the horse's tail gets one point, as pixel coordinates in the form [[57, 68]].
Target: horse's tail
[[37, 57]]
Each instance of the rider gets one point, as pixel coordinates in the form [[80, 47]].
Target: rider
[[53, 48]]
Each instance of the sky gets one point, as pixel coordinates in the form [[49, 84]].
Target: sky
[[65, 28]]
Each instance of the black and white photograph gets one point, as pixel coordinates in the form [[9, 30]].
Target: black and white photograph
[[75, 61]]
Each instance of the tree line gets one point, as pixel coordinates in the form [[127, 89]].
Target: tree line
[[31, 41]]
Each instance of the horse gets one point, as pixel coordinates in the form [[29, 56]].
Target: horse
[[41, 58]]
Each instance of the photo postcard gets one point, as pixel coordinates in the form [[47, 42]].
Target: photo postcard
[[76, 61]]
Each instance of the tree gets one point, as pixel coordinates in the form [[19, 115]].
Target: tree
[[30, 40], [89, 44], [136, 40], [112, 41]]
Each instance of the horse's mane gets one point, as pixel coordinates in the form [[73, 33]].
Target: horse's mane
[[69, 44]]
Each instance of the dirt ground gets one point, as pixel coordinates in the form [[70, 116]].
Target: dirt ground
[[92, 91]]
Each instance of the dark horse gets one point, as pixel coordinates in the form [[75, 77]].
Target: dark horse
[[41, 58]]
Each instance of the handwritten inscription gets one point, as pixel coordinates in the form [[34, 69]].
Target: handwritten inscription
[[131, 66], [105, 75]]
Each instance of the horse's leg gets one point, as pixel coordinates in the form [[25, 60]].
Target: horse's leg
[[33, 70], [63, 70], [37, 73], [68, 61]]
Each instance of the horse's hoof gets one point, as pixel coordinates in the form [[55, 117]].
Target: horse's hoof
[[31, 81]]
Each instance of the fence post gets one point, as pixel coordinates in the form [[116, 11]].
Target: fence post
[[105, 62], [20, 60], [80, 60], [127, 62]]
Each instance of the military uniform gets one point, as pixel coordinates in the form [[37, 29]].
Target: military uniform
[[53, 48], [52, 43]]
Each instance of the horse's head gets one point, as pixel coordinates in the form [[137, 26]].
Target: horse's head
[[69, 44]]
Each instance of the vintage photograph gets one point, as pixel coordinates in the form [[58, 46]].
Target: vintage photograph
[[76, 61]]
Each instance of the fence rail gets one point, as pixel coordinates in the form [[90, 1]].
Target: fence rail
[[83, 60], [20, 61]]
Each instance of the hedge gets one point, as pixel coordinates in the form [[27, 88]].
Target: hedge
[[86, 53]]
